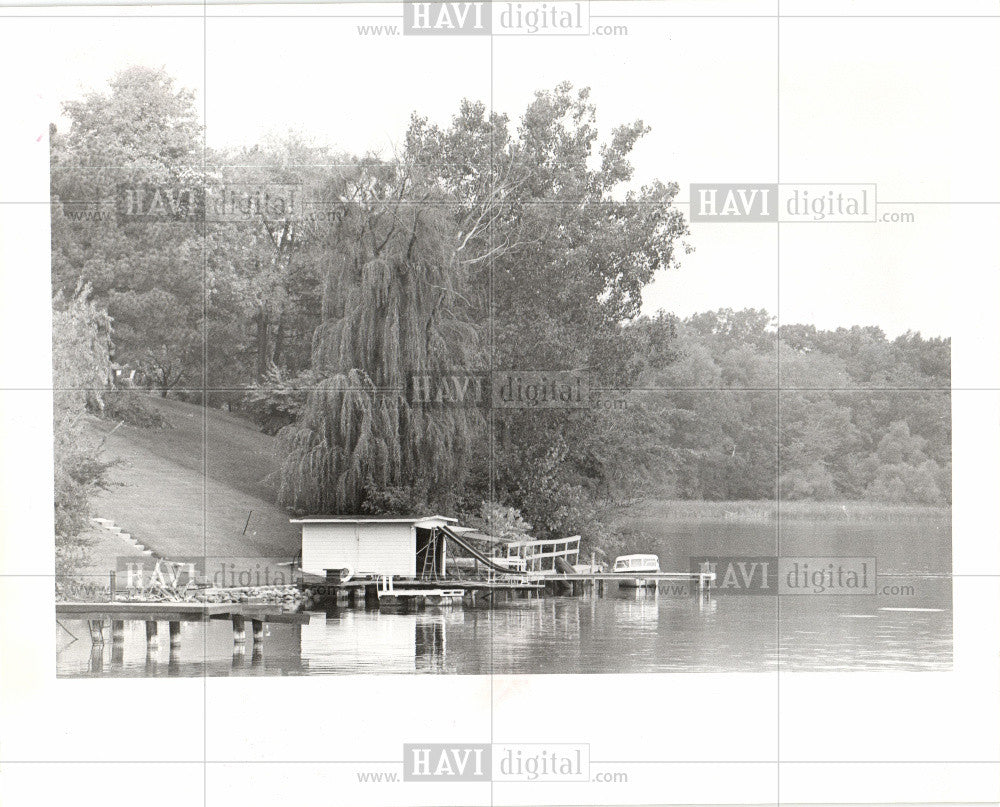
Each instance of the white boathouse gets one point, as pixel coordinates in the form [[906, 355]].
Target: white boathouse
[[372, 545]]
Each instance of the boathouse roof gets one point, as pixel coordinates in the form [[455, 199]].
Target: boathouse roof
[[334, 519]]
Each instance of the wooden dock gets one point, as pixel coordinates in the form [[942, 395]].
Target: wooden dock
[[702, 578], [415, 597], [451, 582], [174, 613], [597, 580], [364, 592], [368, 592]]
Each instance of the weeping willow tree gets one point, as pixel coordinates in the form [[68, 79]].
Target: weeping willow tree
[[392, 307]]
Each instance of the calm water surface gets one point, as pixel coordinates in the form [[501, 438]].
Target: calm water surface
[[621, 632]]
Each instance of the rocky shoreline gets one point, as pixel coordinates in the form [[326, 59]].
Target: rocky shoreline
[[288, 596]]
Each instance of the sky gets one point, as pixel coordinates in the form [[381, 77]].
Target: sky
[[848, 107]]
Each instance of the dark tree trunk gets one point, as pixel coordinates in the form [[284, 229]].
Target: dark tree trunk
[[279, 342], [262, 329]]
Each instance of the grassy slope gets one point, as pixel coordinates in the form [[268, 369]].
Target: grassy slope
[[187, 489]]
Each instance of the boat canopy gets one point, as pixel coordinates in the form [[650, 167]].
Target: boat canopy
[[639, 562]]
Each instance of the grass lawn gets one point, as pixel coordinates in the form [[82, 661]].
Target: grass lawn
[[188, 489]]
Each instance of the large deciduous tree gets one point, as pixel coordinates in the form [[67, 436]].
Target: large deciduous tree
[[392, 307], [149, 275], [559, 243]]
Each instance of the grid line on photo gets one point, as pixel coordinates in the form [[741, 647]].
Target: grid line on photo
[[591, 203], [777, 446], [217, 10], [595, 388], [204, 383], [491, 326], [905, 575], [397, 761]]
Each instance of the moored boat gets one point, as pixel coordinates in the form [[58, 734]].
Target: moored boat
[[632, 566]]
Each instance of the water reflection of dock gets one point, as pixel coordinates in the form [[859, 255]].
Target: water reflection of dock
[[207, 648], [108, 620]]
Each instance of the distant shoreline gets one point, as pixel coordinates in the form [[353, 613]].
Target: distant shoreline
[[766, 511]]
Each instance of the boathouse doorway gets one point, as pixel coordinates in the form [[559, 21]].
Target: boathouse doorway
[[431, 553]]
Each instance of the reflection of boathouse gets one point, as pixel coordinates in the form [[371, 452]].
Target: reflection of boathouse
[[353, 641]]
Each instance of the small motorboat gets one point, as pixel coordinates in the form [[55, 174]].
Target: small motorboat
[[633, 565]]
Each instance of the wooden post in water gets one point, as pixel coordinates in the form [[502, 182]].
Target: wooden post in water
[[175, 634], [96, 631], [258, 632], [152, 641], [239, 629], [117, 631]]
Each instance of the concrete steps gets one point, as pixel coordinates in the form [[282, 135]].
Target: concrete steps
[[108, 525]]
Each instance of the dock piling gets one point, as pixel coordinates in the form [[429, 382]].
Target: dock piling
[[175, 634], [239, 629], [97, 657], [152, 640], [258, 632], [96, 631]]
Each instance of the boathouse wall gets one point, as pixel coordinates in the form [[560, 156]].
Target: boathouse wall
[[372, 548]]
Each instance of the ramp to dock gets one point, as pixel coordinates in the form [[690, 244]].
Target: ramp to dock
[[462, 544]]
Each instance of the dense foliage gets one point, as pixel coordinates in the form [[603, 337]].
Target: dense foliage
[[81, 369], [392, 307], [858, 416], [486, 243]]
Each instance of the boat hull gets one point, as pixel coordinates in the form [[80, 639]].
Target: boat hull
[[636, 582]]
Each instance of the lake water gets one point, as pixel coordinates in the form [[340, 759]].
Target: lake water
[[622, 632]]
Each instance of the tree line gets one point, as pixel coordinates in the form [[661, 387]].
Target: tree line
[[487, 242]]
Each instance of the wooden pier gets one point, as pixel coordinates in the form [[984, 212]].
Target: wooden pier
[[174, 613], [596, 581], [414, 594], [391, 597], [703, 579], [411, 593]]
